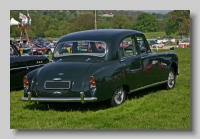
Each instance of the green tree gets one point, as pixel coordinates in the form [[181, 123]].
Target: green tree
[[182, 19], [121, 22], [83, 22], [145, 23], [64, 28], [102, 25], [38, 25], [171, 27]]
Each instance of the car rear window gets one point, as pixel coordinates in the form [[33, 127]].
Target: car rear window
[[81, 47]]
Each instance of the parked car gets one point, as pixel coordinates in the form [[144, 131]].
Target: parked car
[[151, 42], [173, 47], [36, 50], [20, 65], [25, 49], [47, 48], [158, 45], [92, 75], [50, 49], [185, 43]]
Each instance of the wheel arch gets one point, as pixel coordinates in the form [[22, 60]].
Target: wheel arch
[[175, 67], [127, 88]]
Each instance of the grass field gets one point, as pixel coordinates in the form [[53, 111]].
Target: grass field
[[159, 34], [152, 108]]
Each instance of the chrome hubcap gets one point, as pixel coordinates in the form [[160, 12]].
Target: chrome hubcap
[[171, 79], [119, 96]]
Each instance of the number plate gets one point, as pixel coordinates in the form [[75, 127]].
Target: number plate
[[57, 85]]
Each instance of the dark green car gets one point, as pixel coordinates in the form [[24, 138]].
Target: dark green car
[[95, 66]]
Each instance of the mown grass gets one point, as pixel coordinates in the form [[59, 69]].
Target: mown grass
[[153, 108]]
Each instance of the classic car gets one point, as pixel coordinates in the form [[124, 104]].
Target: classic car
[[20, 65], [158, 45], [93, 75]]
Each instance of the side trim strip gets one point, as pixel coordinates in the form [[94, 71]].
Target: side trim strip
[[27, 67], [154, 84]]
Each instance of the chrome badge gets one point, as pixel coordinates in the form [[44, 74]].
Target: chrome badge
[[56, 92], [60, 74]]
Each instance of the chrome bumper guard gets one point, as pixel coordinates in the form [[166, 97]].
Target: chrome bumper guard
[[81, 99]]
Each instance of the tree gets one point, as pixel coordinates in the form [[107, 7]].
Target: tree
[[104, 24], [64, 28], [121, 22], [145, 23], [83, 22], [182, 19], [38, 25], [171, 27]]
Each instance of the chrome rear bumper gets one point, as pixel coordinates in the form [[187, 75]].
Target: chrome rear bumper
[[81, 99]]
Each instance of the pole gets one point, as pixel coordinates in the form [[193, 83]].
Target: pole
[[95, 24], [27, 35]]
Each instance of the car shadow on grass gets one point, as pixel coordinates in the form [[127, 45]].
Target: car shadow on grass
[[67, 106], [90, 106]]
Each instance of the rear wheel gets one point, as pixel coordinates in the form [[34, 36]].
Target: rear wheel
[[171, 79], [118, 97]]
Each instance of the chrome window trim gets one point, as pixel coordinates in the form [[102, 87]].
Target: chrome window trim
[[87, 54]]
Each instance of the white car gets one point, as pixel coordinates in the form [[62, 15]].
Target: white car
[[158, 45]]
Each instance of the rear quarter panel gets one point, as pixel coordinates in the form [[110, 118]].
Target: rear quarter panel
[[108, 77], [166, 60]]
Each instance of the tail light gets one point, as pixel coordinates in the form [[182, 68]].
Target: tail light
[[92, 82], [25, 82]]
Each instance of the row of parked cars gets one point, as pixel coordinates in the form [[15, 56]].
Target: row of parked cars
[[34, 48]]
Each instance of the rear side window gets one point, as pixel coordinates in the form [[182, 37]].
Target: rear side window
[[81, 47], [127, 47]]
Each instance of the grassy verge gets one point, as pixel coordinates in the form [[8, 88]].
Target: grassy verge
[[152, 108]]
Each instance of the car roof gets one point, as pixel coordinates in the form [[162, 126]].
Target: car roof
[[98, 34], [112, 37]]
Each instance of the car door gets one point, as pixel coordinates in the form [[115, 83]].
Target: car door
[[129, 56], [149, 61]]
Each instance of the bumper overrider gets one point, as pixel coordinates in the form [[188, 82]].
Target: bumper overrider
[[81, 99]]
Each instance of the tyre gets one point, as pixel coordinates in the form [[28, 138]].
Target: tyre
[[171, 79], [118, 97], [49, 52]]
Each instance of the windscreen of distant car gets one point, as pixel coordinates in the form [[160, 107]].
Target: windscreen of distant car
[[81, 47]]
